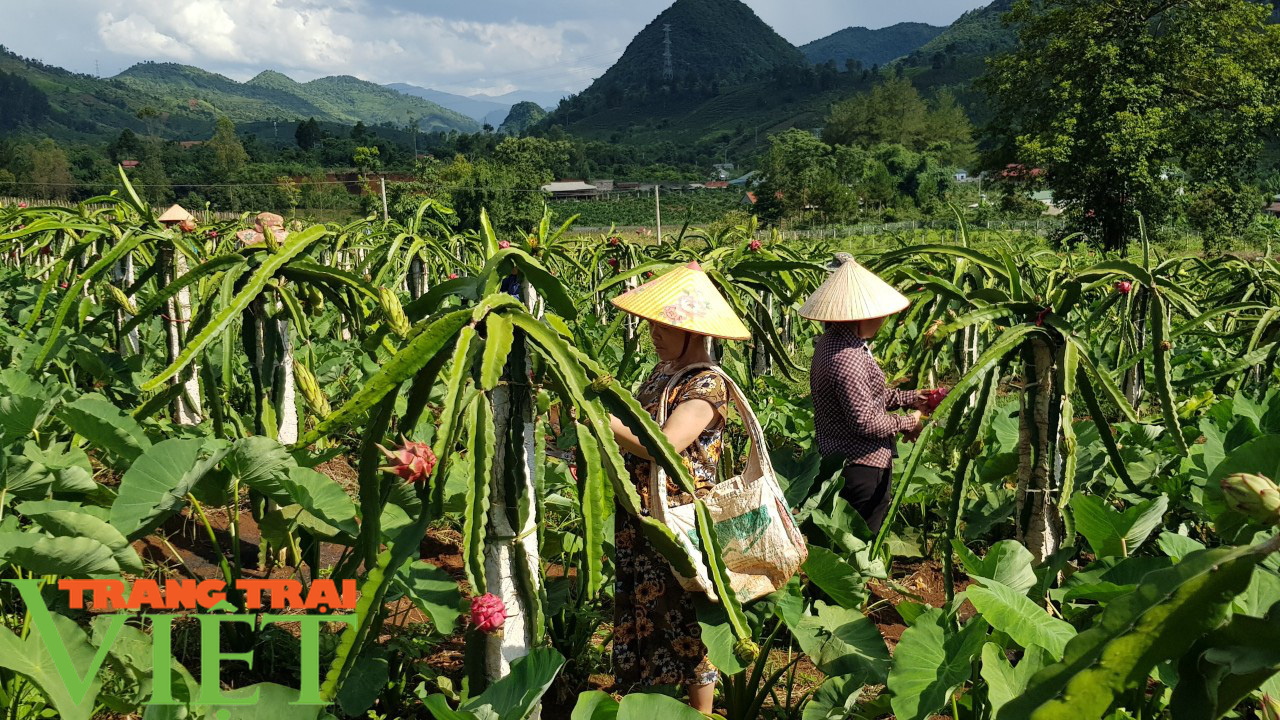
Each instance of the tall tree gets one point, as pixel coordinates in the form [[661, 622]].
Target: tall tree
[[1110, 98], [49, 173], [308, 134], [228, 153]]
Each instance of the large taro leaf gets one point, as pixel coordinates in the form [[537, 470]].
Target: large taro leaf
[[21, 413], [262, 464], [1010, 612], [65, 523], [106, 427], [321, 496], [75, 557], [1227, 664], [156, 486], [269, 702], [840, 641], [835, 577], [434, 591], [595, 705], [1008, 562], [366, 681], [1160, 620], [31, 658], [930, 662], [511, 698], [835, 699], [1005, 681], [1112, 532]]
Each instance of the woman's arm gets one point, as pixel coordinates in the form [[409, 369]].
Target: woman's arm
[[858, 392], [687, 421], [895, 399]]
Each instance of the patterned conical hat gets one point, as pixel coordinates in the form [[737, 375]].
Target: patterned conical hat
[[685, 298], [853, 293], [175, 214]]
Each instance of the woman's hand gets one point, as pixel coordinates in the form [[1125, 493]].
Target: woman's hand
[[912, 432]]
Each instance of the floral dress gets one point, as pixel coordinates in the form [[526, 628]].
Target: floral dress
[[656, 638]]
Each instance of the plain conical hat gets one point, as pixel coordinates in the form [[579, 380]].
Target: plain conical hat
[[175, 214], [853, 293], [685, 298]]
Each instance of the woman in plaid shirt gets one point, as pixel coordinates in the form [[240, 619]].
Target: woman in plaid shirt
[[851, 400]]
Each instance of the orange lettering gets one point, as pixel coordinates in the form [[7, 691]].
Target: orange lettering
[[211, 593], [75, 591], [145, 593]]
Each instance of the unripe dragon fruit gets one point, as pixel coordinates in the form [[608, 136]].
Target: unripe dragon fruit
[[754, 246], [504, 244], [488, 613], [1253, 496], [412, 461], [1124, 287], [934, 398]]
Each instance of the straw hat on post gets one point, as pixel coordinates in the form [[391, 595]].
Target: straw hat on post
[[685, 298], [852, 293]]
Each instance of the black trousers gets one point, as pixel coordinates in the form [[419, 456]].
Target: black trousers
[[868, 490]]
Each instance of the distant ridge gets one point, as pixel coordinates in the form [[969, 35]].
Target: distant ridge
[[270, 94], [870, 47]]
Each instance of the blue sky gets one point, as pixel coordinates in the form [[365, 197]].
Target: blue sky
[[488, 46]]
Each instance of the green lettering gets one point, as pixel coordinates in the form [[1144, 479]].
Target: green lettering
[[161, 661], [309, 670], [211, 657], [76, 686]]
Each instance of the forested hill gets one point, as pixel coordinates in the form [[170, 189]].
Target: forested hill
[[870, 47], [270, 94], [182, 102]]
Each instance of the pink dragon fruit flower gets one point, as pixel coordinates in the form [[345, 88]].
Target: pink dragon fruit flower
[[504, 244], [754, 246], [1124, 287], [488, 614], [412, 461]]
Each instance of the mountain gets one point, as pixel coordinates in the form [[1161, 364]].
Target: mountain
[[978, 32], [870, 47], [523, 115], [547, 99], [270, 94], [711, 41], [477, 108]]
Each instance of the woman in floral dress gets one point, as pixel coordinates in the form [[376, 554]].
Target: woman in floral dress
[[657, 639]]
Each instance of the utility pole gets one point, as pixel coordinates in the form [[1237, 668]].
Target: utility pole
[[668, 72], [383, 182], [657, 209]]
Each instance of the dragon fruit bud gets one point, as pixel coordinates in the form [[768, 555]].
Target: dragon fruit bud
[[1253, 496], [1124, 287], [412, 461], [934, 398], [754, 246], [504, 244], [488, 614]]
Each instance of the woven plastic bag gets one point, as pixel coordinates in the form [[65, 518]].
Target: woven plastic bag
[[761, 546]]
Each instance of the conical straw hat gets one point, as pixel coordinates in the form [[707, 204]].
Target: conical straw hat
[[853, 293], [685, 298], [175, 214]]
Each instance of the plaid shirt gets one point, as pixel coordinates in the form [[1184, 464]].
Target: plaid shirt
[[850, 400]]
